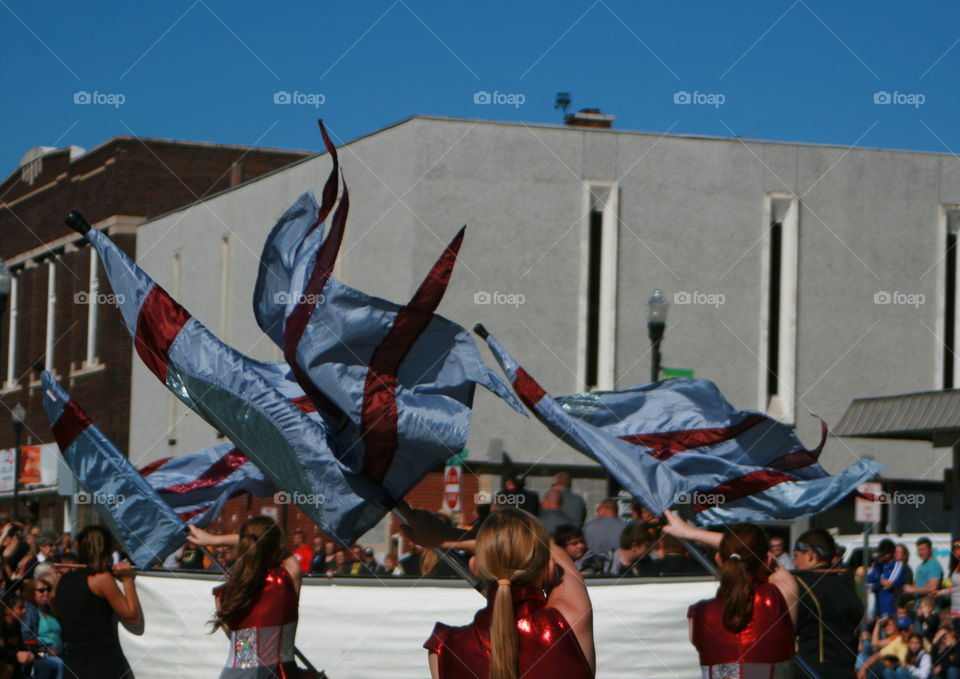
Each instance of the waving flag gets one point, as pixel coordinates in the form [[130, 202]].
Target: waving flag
[[653, 483], [146, 526], [394, 382], [730, 465], [256, 404], [197, 485]]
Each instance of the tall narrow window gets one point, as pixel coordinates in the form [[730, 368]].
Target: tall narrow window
[[93, 302], [225, 289], [951, 225], [51, 337], [12, 334], [778, 327], [599, 286]]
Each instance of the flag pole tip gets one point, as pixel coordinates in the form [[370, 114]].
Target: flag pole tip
[[76, 221], [480, 330]]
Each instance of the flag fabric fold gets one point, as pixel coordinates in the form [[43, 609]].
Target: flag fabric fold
[[395, 383], [147, 527], [197, 485], [652, 483], [254, 403], [730, 465]]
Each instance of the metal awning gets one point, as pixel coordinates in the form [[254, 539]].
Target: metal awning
[[925, 416]]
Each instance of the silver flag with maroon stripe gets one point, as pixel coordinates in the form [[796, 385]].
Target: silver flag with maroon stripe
[[730, 465]]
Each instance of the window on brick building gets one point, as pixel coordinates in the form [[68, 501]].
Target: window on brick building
[[93, 288], [50, 343], [12, 318]]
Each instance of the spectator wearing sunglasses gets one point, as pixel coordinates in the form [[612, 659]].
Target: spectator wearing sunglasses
[[40, 630], [829, 609]]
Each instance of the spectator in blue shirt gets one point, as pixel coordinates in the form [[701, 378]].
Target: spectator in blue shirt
[[929, 575], [885, 578]]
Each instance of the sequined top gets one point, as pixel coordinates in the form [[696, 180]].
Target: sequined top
[[767, 639], [264, 636], [547, 647]]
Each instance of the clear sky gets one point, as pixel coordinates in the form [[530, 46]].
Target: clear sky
[[211, 70]]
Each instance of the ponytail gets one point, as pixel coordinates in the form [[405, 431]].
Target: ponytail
[[503, 635], [513, 548], [743, 552]]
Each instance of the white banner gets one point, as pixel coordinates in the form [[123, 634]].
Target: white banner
[[372, 630]]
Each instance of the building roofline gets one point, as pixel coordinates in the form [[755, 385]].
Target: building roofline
[[675, 135], [548, 126], [157, 141], [253, 180]]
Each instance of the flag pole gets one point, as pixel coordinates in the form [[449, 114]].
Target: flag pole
[[447, 558], [225, 573]]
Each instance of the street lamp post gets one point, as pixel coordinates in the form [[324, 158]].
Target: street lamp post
[[656, 324], [18, 415]]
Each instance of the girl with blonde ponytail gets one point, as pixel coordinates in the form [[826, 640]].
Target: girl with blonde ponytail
[[538, 622], [747, 630], [259, 605]]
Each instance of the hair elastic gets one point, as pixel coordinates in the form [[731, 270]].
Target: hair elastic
[[735, 556], [503, 581]]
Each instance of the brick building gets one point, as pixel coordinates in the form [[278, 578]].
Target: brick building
[[59, 309]]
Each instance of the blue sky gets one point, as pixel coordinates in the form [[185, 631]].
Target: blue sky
[[208, 70]]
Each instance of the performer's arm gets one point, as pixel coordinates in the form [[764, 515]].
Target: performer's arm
[[428, 531], [125, 604], [295, 571], [198, 536], [787, 584], [434, 660], [682, 530], [569, 596]]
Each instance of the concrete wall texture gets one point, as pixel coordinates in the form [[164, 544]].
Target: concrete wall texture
[[690, 221]]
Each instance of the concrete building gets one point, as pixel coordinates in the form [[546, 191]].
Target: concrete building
[[801, 276], [59, 309]]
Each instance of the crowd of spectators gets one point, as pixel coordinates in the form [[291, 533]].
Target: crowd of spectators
[[31, 562], [912, 622]]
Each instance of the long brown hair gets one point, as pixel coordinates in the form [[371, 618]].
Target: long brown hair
[[94, 545], [261, 542], [743, 552], [512, 545]]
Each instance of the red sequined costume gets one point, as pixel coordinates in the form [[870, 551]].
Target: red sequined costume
[[547, 646], [755, 651], [261, 642]]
